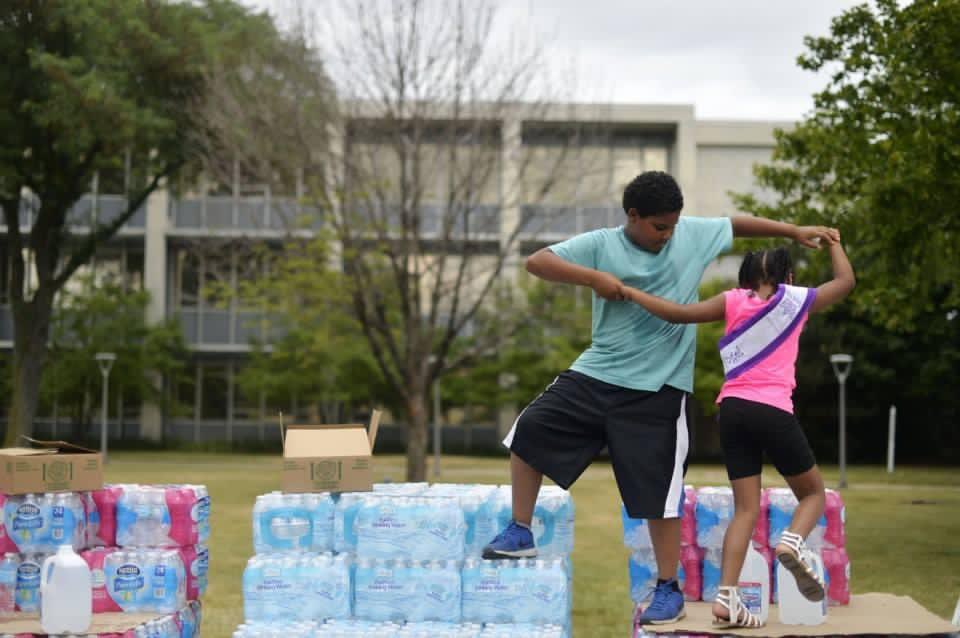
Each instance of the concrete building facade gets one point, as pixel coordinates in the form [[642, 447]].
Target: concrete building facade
[[157, 247]]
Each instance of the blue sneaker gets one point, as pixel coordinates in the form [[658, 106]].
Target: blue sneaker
[[666, 606], [515, 541]]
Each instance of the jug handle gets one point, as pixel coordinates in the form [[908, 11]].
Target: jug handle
[[44, 573]]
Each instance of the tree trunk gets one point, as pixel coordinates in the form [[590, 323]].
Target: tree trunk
[[417, 412], [31, 328]]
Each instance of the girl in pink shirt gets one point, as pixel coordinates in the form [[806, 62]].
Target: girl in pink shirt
[[764, 317]]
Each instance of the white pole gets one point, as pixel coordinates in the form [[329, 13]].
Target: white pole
[[956, 615], [437, 425], [891, 438]]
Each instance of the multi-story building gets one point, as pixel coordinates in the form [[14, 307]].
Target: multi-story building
[[158, 247]]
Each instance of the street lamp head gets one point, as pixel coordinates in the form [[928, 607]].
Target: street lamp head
[[841, 366], [105, 361]]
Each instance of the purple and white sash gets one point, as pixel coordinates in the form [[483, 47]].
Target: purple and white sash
[[762, 334]]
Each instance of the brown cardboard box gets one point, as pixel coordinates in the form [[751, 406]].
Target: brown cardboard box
[[49, 466], [329, 458]]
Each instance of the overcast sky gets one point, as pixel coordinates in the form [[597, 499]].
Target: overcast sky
[[731, 59]]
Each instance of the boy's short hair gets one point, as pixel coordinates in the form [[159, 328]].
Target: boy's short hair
[[653, 193]]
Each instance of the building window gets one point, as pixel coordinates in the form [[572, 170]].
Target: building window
[[214, 380]]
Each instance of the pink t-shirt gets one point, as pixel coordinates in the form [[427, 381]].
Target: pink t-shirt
[[772, 380]]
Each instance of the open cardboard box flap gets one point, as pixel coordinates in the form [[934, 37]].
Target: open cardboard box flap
[[50, 466], [337, 440], [45, 447]]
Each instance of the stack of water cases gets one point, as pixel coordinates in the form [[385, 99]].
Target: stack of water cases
[[145, 545], [405, 560], [706, 515]]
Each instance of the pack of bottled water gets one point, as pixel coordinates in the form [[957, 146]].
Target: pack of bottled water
[[553, 518], [291, 586], [41, 522], [293, 522], [782, 505], [162, 515], [472, 498], [410, 527], [714, 510], [137, 580], [407, 590], [516, 591], [9, 564]]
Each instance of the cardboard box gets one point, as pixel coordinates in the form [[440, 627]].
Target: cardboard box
[[49, 466], [329, 458]]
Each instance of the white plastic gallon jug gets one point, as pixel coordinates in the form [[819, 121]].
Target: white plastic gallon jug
[[794, 608], [65, 593], [754, 584]]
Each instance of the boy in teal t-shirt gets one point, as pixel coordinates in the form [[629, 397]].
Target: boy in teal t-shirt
[[627, 391]]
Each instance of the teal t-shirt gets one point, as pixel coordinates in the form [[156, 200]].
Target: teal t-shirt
[[632, 348]]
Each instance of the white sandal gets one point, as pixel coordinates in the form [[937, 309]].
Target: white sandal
[[808, 582], [737, 614]]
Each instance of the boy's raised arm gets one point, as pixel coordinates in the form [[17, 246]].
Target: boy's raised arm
[[750, 226], [546, 264]]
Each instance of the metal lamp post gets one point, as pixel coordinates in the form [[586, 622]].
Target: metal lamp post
[[105, 361], [841, 368]]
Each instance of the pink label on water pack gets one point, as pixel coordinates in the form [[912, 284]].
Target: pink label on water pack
[[837, 565], [762, 529], [102, 602], [184, 528], [835, 535], [105, 502], [691, 557], [6, 543]]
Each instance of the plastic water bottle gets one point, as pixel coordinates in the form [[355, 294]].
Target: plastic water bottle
[[28, 582], [642, 568], [281, 522], [795, 609], [384, 590], [636, 533], [325, 587], [27, 522], [711, 574], [68, 520], [754, 584], [322, 508], [167, 586], [437, 591], [8, 584], [714, 510], [782, 505], [65, 593], [344, 522], [126, 576]]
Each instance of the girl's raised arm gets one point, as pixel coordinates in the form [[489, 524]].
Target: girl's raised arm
[[842, 283], [704, 312]]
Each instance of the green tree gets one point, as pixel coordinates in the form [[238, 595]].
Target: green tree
[[877, 157], [86, 84], [107, 318], [320, 358]]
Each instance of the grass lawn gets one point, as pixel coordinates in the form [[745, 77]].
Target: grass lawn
[[901, 530]]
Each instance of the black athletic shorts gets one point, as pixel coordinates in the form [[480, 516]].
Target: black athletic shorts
[[748, 429], [561, 432]]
